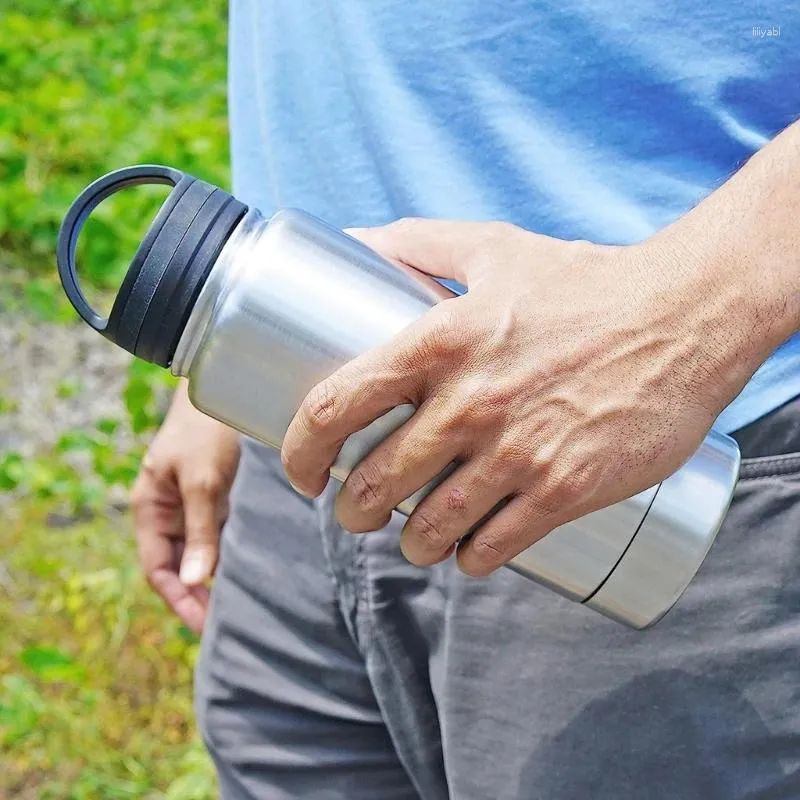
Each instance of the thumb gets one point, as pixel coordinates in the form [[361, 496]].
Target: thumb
[[202, 530], [442, 248]]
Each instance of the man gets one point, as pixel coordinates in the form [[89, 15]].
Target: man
[[604, 332]]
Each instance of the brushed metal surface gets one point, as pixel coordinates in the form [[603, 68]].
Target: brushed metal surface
[[575, 558], [290, 300], [674, 538]]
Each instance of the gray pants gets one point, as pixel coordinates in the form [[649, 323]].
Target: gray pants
[[331, 668]]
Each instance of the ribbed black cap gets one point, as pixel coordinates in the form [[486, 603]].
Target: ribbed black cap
[[170, 265]]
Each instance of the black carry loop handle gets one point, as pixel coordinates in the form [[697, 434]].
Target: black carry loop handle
[[79, 211], [170, 265]]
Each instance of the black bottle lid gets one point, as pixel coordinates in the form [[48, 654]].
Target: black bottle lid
[[169, 267]]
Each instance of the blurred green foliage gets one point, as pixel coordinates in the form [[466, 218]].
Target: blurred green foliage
[[87, 86], [95, 676], [61, 474]]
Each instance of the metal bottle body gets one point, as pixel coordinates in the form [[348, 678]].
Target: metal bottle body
[[289, 300]]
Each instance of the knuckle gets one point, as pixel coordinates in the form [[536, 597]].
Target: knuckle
[[154, 474], [208, 484], [480, 405], [427, 530], [452, 421], [492, 401], [495, 400], [515, 456], [464, 417], [547, 499], [487, 552], [446, 314], [579, 482], [563, 487], [321, 406], [366, 487], [571, 481], [431, 347], [465, 408], [152, 469], [441, 336]]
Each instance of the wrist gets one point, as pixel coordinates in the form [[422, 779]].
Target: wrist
[[731, 266], [743, 243], [722, 309], [748, 285], [747, 234]]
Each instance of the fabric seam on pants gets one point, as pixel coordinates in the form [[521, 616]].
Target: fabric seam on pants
[[784, 465], [340, 582]]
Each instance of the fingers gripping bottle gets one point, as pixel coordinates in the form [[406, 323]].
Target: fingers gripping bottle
[[255, 312]]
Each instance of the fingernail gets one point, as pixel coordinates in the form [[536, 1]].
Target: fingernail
[[194, 568]]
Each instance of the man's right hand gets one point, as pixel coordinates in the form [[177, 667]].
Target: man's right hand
[[180, 502]]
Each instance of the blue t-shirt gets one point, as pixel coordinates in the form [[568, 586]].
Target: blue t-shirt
[[584, 119]]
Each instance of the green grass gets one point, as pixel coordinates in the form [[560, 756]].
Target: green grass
[[95, 675], [95, 693], [87, 86]]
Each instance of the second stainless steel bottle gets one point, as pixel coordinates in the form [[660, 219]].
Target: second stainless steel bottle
[[255, 312]]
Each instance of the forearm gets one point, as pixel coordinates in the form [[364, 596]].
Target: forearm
[[739, 251]]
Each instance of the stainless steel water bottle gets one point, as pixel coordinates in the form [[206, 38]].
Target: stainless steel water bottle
[[255, 312]]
